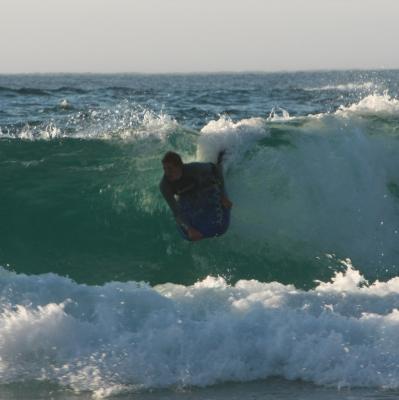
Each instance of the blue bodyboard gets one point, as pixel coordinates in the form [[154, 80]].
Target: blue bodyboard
[[205, 213]]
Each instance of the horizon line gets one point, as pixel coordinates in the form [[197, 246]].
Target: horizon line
[[210, 72]]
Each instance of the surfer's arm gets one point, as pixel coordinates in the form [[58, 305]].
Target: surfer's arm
[[218, 172], [169, 196]]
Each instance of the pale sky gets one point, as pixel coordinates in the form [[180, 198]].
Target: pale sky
[[197, 35]]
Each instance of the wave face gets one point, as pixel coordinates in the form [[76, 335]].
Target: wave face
[[312, 163]]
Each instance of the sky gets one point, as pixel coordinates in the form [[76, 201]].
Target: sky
[[153, 36]]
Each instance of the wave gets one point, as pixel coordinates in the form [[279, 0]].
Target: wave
[[123, 90], [122, 123], [24, 91], [69, 90], [31, 91], [131, 121], [368, 86], [73, 90], [304, 183], [131, 337], [372, 105], [301, 187]]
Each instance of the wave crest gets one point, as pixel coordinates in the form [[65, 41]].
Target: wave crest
[[123, 122], [374, 104]]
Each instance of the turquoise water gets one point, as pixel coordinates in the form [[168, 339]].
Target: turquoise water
[[99, 295]]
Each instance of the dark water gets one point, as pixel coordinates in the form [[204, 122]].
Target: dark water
[[312, 169]]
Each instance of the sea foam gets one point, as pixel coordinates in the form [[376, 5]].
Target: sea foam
[[234, 137], [130, 336], [374, 104]]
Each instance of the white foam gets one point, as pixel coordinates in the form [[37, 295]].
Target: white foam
[[279, 114], [47, 132], [346, 87], [153, 125], [225, 134], [65, 104], [129, 336], [124, 122], [373, 104]]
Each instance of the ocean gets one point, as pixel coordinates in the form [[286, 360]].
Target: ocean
[[100, 296]]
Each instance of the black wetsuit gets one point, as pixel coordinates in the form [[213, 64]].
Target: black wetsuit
[[196, 179]]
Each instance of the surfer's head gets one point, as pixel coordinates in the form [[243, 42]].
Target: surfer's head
[[172, 166]]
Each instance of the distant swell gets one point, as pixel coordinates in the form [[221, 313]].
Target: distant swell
[[40, 92], [69, 90], [25, 91]]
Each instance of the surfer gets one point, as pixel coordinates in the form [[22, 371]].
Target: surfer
[[191, 183]]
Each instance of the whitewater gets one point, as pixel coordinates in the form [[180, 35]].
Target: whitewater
[[99, 296]]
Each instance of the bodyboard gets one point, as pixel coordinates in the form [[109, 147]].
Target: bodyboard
[[205, 213]]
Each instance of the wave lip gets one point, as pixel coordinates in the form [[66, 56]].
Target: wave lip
[[224, 134], [372, 105], [129, 336]]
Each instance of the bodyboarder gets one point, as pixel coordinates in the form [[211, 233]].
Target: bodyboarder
[[196, 195]]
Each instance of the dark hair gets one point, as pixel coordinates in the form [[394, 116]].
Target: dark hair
[[172, 158]]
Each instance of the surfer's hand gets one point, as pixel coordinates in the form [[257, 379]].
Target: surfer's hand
[[193, 234], [226, 203]]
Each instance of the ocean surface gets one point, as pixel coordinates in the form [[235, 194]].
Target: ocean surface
[[100, 296]]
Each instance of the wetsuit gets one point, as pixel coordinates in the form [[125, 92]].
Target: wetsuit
[[196, 179]]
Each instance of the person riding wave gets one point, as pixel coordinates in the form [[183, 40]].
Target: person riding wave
[[184, 182]]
